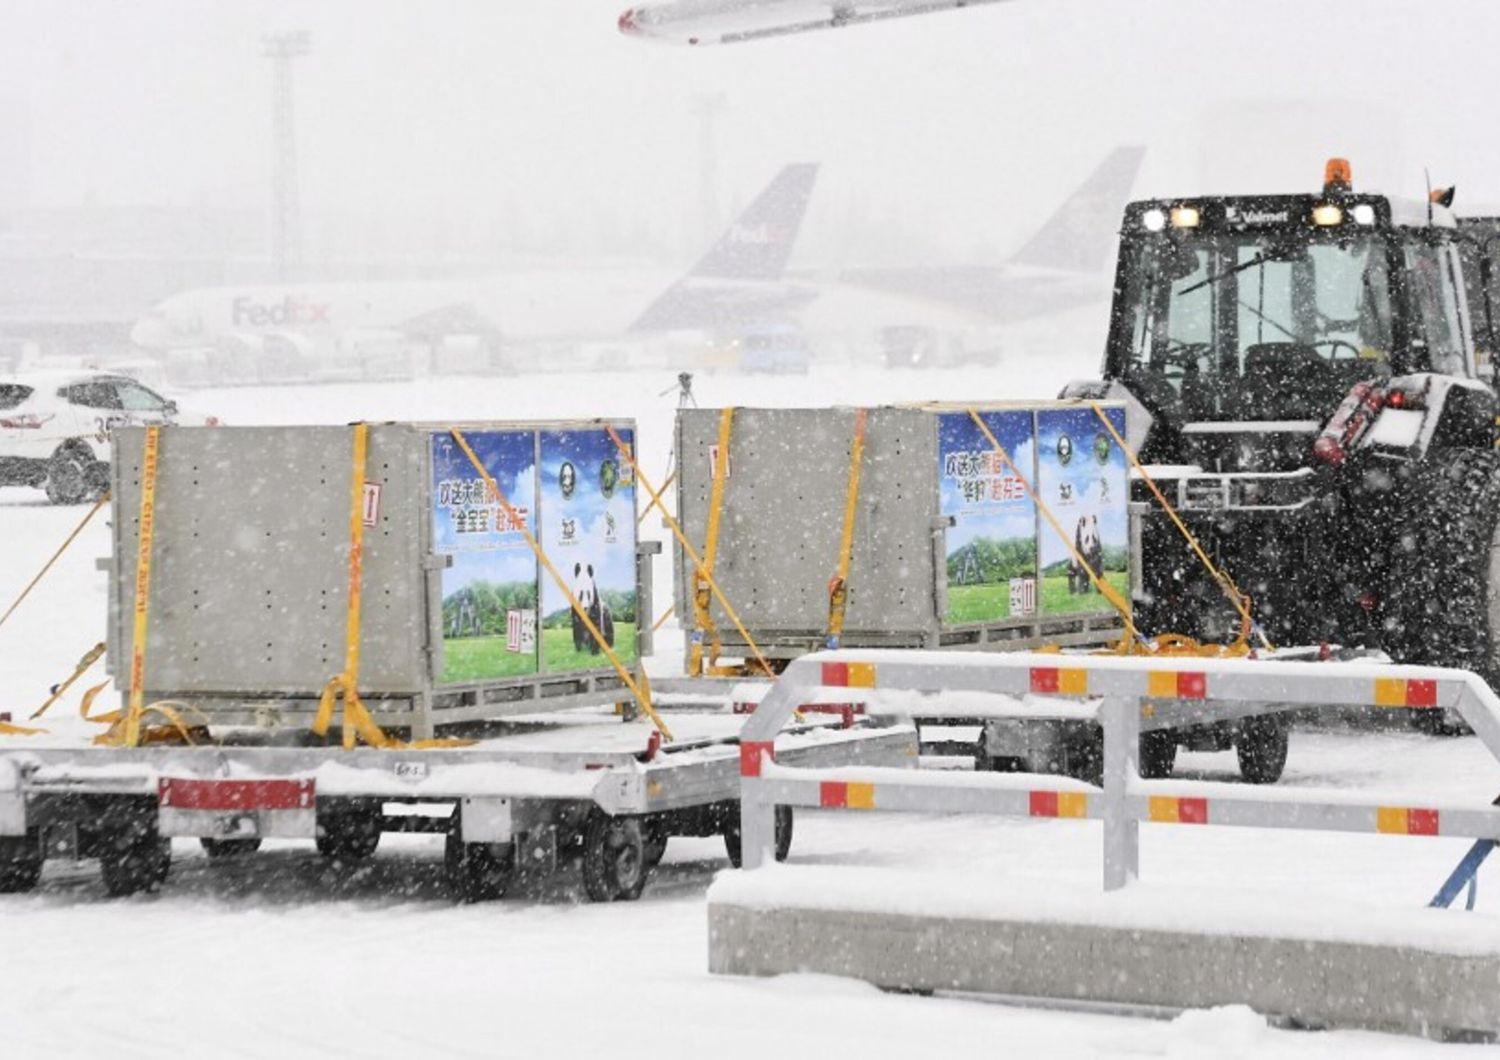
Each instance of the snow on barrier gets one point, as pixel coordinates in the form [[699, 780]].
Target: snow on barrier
[[1392, 973]]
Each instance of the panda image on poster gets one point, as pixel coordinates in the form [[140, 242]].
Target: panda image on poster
[[1082, 478], [586, 592], [588, 531]]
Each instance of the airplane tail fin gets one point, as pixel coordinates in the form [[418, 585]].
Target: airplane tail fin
[[758, 243], [755, 247], [1080, 236]]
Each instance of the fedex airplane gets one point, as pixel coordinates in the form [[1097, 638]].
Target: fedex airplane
[[738, 280], [740, 288]]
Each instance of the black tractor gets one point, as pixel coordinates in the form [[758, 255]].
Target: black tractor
[[1303, 387]]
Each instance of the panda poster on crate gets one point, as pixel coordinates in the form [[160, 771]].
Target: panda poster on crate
[[1082, 479], [588, 532], [490, 591], [991, 544]]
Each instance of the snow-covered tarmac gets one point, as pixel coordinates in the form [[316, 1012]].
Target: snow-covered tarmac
[[286, 955]]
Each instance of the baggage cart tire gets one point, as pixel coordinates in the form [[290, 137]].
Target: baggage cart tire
[[655, 836], [349, 834], [1261, 747], [614, 857], [477, 872], [136, 862], [732, 844], [229, 848], [20, 864], [1158, 754]]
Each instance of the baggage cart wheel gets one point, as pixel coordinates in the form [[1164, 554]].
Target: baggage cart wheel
[[135, 862], [477, 872], [1158, 754], [20, 864], [351, 835], [614, 858], [783, 834], [654, 833], [229, 848], [1261, 747]]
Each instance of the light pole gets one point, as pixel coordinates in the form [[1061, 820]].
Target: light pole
[[282, 48], [708, 106]]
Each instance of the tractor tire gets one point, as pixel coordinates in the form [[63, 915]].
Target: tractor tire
[[1261, 747], [229, 848], [1443, 593], [20, 864], [71, 475], [1158, 754], [732, 841]]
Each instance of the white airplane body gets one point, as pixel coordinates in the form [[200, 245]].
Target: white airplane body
[[740, 286]]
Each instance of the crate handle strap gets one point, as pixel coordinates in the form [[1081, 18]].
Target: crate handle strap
[[1103, 586], [838, 585], [640, 689], [704, 572], [130, 731], [100, 503], [692, 554], [1236, 596], [89, 659], [358, 724]]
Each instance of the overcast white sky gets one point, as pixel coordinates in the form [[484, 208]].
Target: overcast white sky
[[967, 125]]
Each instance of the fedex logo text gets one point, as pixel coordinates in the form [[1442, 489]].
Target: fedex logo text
[[288, 311]]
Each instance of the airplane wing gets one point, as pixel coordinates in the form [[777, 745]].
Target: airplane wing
[[736, 21]]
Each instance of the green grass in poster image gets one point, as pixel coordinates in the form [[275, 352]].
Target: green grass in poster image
[[1056, 600], [978, 603], [482, 658], [560, 655]]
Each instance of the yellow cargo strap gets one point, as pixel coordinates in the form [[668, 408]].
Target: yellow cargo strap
[[640, 688], [1108, 591], [1236, 597], [662, 621], [692, 554], [838, 585], [704, 571], [130, 729], [92, 656], [357, 722], [656, 496], [60, 550], [173, 731]]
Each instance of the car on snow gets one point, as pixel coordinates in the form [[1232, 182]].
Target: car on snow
[[54, 429]]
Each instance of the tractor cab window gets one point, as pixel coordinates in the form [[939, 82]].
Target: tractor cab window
[[1255, 325], [1433, 299]]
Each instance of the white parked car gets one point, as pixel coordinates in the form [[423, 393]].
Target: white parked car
[[54, 429]]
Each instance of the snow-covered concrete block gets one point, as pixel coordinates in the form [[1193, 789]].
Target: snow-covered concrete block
[[1427, 972]]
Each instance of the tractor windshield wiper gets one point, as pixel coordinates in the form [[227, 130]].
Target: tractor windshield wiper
[[1269, 320], [1259, 259]]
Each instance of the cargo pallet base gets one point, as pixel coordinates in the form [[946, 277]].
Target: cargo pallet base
[[546, 789]]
